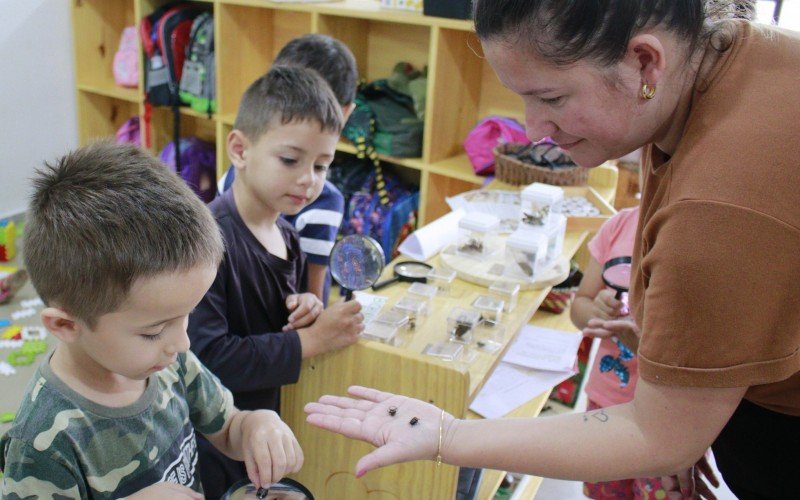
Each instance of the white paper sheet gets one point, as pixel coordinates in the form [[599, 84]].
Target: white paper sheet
[[511, 386], [544, 349], [371, 304], [428, 240]]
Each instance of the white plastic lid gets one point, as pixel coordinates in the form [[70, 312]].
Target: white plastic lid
[[487, 303], [407, 304], [505, 287], [393, 318], [442, 275], [477, 221], [380, 332], [543, 192], [528, 240], [423, 290], [465, 316]]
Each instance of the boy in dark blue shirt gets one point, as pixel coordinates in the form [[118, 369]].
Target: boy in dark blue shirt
[[318, 223], [254, 326]]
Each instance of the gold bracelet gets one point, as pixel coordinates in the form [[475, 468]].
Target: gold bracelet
[[439, 448]]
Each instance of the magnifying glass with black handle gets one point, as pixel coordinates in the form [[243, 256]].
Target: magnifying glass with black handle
[[617, 275], [410, 271], [356, 263]]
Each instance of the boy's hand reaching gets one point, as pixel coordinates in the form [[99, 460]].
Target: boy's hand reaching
[[269, 447], [303, 308], [166, 490], [336, 327]]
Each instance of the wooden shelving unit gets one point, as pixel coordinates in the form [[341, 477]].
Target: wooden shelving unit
[[461, 86]]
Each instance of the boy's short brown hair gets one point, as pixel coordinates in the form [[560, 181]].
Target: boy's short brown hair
[[106, 215], [288, 94]]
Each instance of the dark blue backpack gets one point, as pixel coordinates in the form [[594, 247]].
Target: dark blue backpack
[[386, 214]]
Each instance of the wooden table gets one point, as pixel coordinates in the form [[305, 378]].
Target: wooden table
[[330, 459]]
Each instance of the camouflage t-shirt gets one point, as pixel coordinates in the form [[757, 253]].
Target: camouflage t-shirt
[[64, 446]]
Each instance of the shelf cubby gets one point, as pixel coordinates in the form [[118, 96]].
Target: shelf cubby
[[98, 26], [100, 116], [248, 38], [191, 125]]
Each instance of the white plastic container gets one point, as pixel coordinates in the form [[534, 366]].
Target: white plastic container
[[540, 203], [416, 310], [526, 254], [491, 308], [442, 280], [380, 332], [461, 324], [473, 231], [393, 318], [447, 351], [423, 291], [555, 238], [506, 291], [489, 336]]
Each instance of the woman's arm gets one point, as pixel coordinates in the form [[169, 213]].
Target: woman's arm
[[665, 429]]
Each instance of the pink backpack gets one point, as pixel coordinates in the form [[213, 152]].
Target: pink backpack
[[126, 60], [486, 135]]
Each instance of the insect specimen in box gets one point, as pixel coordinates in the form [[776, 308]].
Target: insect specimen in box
[[524, 260], [461, 329], [537, 217], [472, 245]]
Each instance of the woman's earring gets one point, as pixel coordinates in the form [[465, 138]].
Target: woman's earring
[[648, 91]]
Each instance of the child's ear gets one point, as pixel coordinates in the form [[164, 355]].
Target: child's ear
[[348, 110], [61, 324], [237, 146]]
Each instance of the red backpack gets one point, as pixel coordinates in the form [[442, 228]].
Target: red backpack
[[165, 34]]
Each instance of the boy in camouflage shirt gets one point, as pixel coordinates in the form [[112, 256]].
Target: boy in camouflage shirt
[[121, 251]]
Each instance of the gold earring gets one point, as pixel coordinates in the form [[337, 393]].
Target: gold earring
[[648, 92]]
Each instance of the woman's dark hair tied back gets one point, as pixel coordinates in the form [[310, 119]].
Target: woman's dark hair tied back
[[566, 31]]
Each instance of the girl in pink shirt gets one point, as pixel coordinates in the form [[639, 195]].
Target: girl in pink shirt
[[612, 377]]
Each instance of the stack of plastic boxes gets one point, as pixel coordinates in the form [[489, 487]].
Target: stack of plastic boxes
[[538, 242]]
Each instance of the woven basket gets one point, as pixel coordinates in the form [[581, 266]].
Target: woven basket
[[516, 172]]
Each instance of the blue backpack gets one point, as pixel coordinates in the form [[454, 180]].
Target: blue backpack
[[387, 213]]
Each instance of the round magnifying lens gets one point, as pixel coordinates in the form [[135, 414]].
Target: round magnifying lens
[[416, 270], [410, 271], [285, 489], [617, 274], [356, 263]]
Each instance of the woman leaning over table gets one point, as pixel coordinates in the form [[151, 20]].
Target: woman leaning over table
[[716, 269]]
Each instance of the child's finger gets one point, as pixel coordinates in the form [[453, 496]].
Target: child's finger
[[600, 333], [251, 467], [299, 456], [291, 457], [277, 461], [299, 312], [262, 456]]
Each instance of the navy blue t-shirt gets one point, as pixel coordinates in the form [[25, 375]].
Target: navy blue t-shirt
[[236, 329], [317, 223]]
